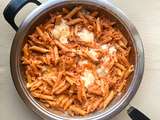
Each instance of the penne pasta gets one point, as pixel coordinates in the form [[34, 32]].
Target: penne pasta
[[58, 87], [98, 26], [73, 12], [60, 45], [42, 96], [65, 10], [68, 103], [39, 49], [77, 110], [41, 34], [94, 106], [36, 85], [85, 21], [62, 89], [76, 62], [122, 85], [94, 14], [58, 19], [108, 99], [26, 50], [56, 55], [120, 66], [74, 21], [128, 72]]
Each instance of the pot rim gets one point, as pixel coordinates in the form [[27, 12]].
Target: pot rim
[[126, 98]]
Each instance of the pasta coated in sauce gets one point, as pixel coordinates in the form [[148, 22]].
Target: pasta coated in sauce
[[76, 61]]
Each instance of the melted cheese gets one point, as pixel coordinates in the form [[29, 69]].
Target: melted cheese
[[102, 71], [86, 35], [87, 77], [105, 59], [93, 53], [104, 47], [83, 62], [112, 50], [61, 32]]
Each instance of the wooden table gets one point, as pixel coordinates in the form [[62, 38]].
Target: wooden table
[[145, 14]]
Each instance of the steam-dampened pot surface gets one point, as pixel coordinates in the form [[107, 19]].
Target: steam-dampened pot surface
[[121, 27]]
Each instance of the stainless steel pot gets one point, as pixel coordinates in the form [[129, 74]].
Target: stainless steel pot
[[36, 17]]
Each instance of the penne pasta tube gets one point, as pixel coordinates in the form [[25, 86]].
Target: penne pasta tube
[[60, 45], [77, 110], [51, 103], [68, 103], [63, 102], [26, 50], [56, 88], [120, 66], [128, 72], [70, 80], [73, 12], [74, 21], [42, 96], [56, 55], [120, 88], [89, 18], [41, 34], [65, 10], [49, 82], [80, 14], [39, 49], [58, 19], [98, 26], [95, 105], [36, 85], [108, 99], [49, 26], [94, 14], [62, 89]]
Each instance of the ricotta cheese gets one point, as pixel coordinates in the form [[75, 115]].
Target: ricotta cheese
[[112, 50], [61, 32], [87, 77], [104, 47], [102, 71], [93, 53], [86, 35], [83, 62]]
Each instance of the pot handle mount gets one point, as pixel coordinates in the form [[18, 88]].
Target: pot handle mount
[[13, 8], [135, 114]]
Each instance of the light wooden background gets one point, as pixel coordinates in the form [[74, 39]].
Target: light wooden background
[[145, 14]]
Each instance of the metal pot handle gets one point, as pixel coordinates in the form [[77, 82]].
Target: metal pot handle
[[135, 114], [13, 8]]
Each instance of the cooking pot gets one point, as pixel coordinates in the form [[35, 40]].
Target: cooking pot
[[37, 17]]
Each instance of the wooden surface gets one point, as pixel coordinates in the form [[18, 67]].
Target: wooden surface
[[145, 14]]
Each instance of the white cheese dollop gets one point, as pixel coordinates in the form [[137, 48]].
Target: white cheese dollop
[[112, 50], [105, 59], [87, 77], [86, 35], [83, 62], [104, 47], [61, 32], [102, 71], [93, 53]]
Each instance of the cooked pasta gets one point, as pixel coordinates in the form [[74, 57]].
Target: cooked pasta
[[77, 61]]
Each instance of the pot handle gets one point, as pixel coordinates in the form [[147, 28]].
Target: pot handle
[[135, 114], [13, 8]]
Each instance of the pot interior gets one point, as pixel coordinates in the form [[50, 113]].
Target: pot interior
[[43, 16]]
